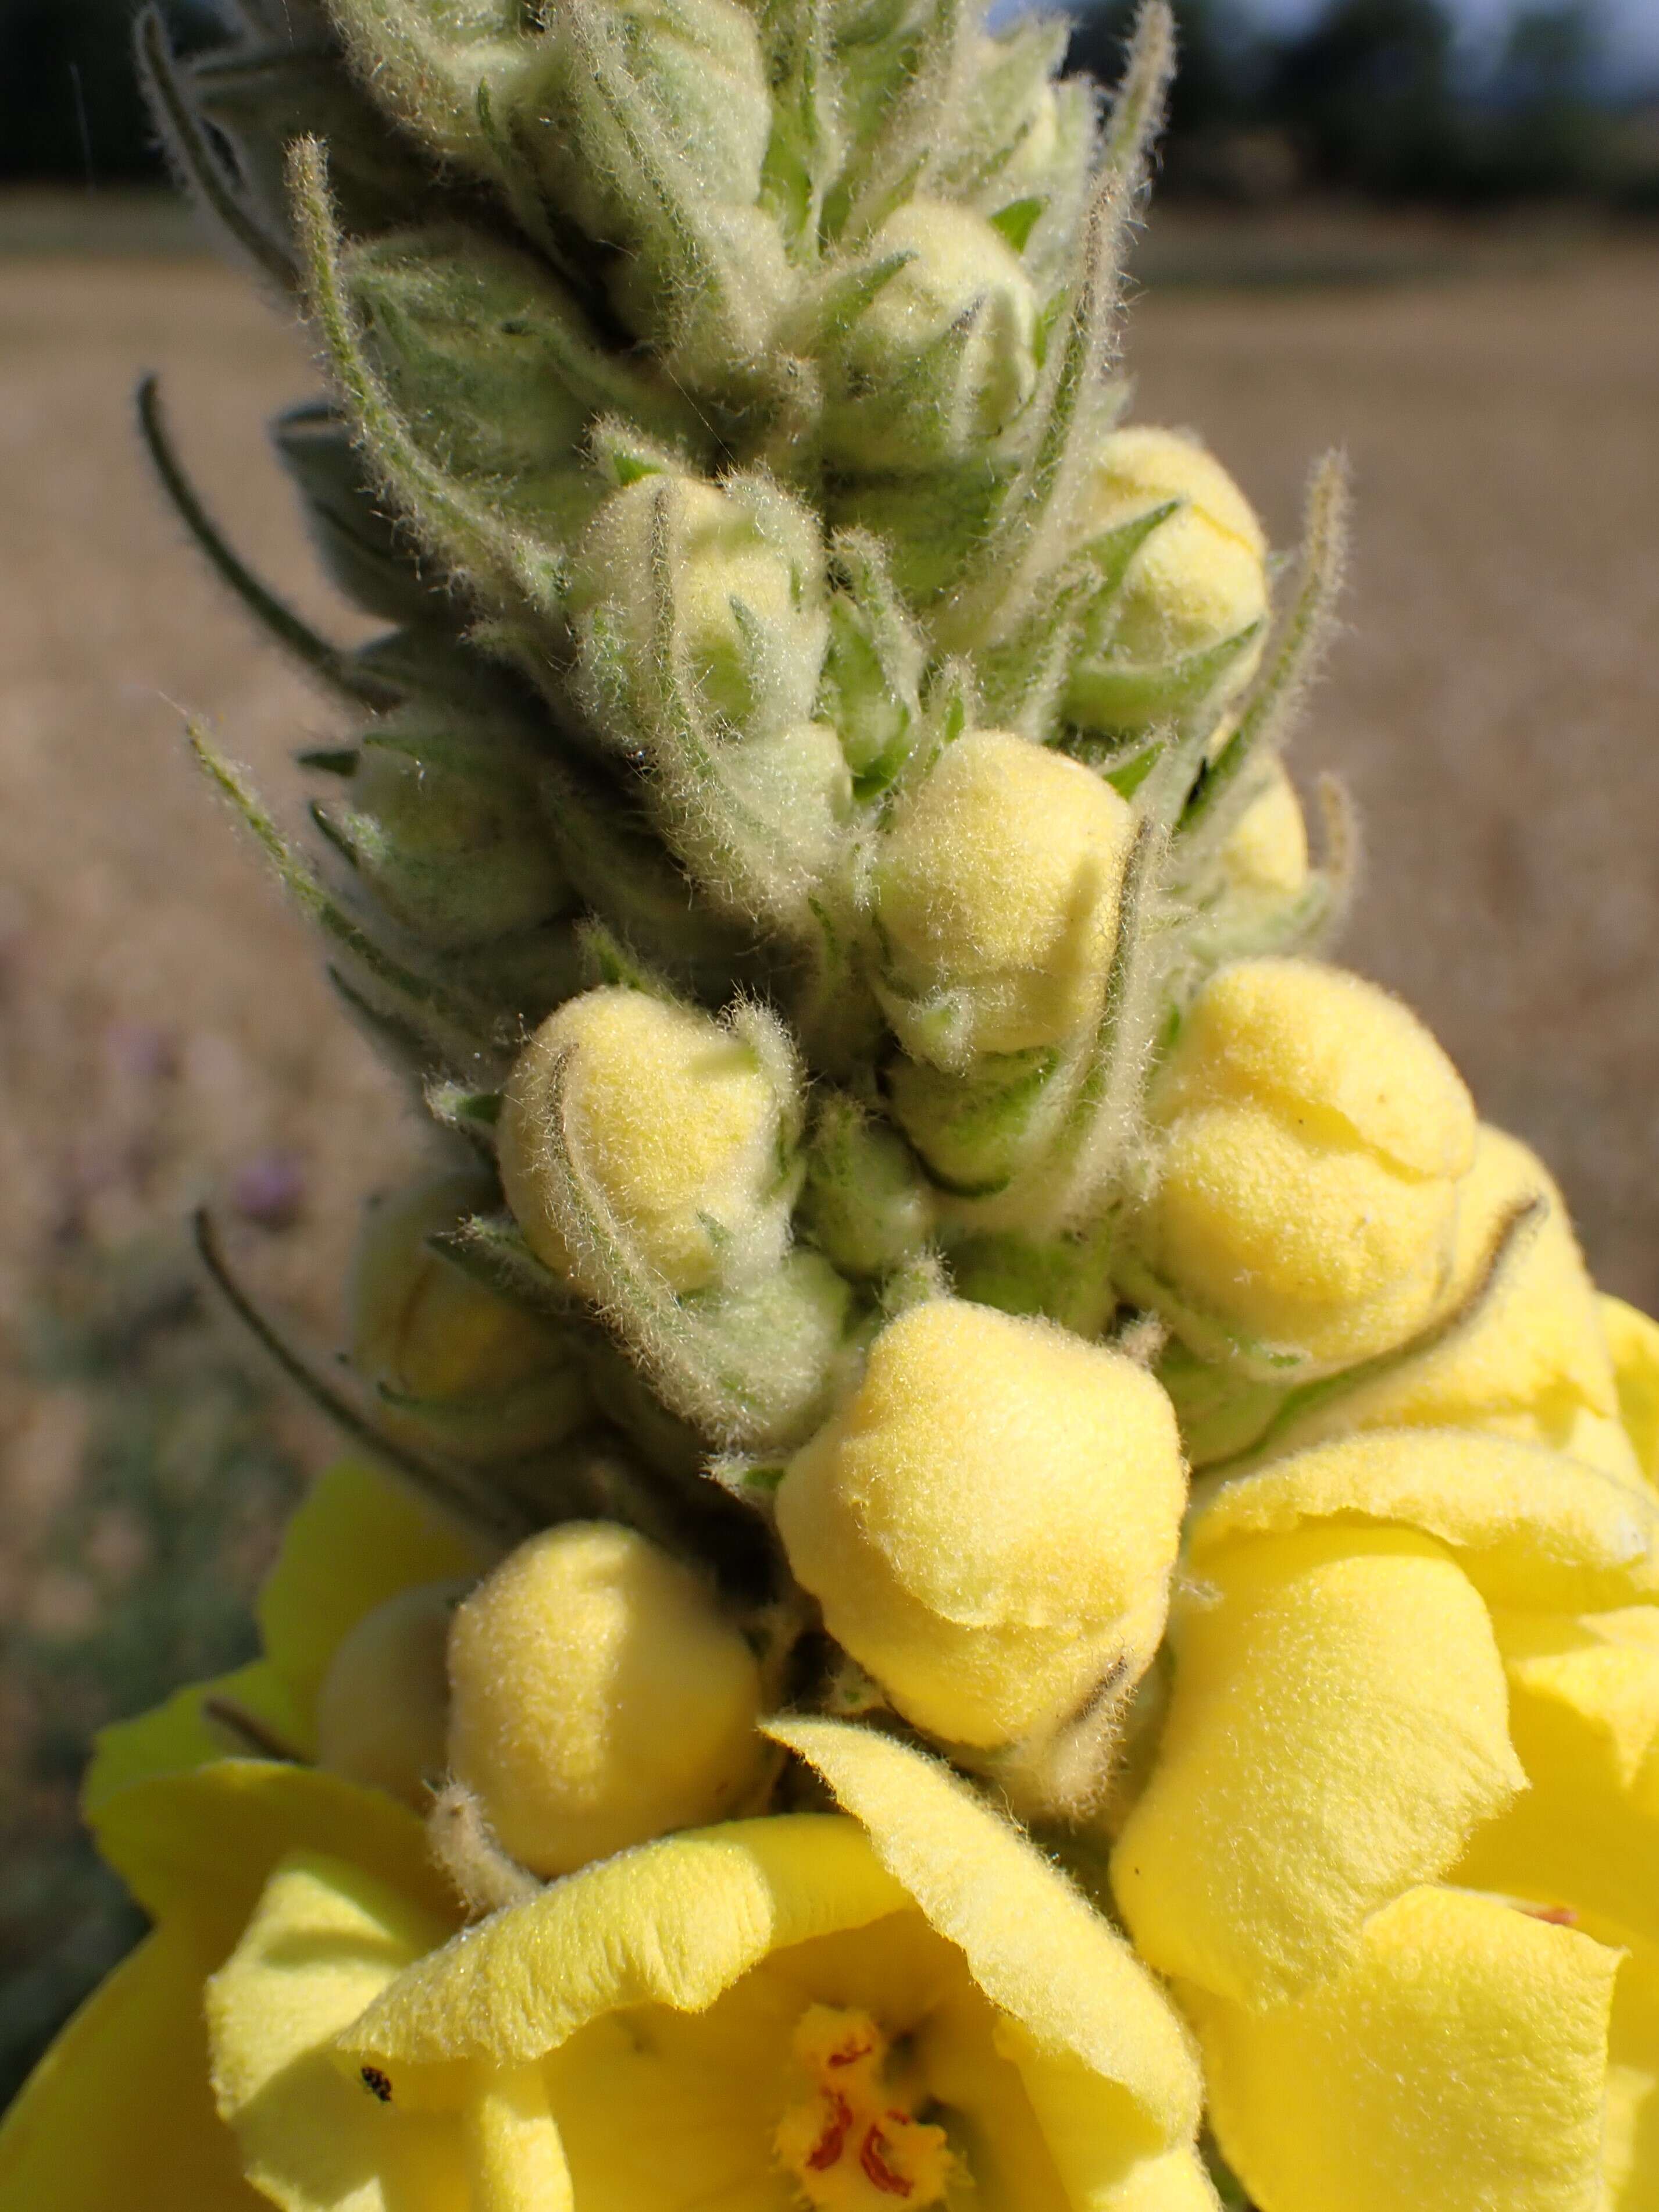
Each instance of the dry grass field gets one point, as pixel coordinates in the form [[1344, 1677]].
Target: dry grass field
[[165, 1033]]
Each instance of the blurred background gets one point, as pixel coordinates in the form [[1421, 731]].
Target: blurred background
[[1429, 235]]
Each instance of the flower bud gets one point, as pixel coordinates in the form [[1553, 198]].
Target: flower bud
[[360, 545], [451, 1364], [599, 1697], [1266, 853], [1633, 1342], [744, 577], [943, 358], [1313, 1138], [697, 71], [865, 1203], [990, 1521], [1185, 620], [673, 1120], [382, 1708], [443, 827], [995, 896], [495, 370]]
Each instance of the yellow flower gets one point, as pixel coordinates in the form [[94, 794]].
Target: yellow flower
[[995, 890], [1338, 1723], [673, 1120], [1196, 584], [1633, 1341], [835, 2011], [120, 2111], [1522, 1350], [453, 1363], [1267, 852], [1399, 1827], [599, 1697], [990, 1521], [1311, 1139]]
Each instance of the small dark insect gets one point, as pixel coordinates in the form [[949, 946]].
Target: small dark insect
[[377, 2084]]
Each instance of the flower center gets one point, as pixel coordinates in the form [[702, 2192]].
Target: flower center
[[852, 2143]]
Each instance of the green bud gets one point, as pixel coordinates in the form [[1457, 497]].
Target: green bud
[[443, 830], [995, 892], [1185, 619], [367, 555], [865, 1203], [451, 1364], [978, 1131], [942, 360], [495, 370], [734, 576], [928, 524]]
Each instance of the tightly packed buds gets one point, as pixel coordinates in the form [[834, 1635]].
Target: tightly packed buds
[[944, 357], [449, 1362], [674, 1124], [441, 826], [598, 1697], [989, 1521], [495, 368], [679, 581], [995, 895], [1183, 620], [383, 1707], [1313, 1139]]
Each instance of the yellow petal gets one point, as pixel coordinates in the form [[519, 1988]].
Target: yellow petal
[[514, 2146], [1090, 2013], [197, 1846], [1585, 1715], [1459, 2063], [1530, 1526], [181, 1733], [1633, 1340], [119, 2111], [673, 1924], [326, 1940], [359, 1537], [1336, 1730], [1630, 2146]]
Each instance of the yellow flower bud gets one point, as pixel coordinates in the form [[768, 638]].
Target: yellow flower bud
[[943, 358], [671, 1118], [1266, 853], [1528, 1359], [1313, 1139], [382, 1708], [598, 1698], [449, 1360], [747, 600], [997, 895], [991, 1521], [1198, 580]]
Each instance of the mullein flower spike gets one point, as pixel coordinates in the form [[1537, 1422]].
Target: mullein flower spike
[[812, 829]]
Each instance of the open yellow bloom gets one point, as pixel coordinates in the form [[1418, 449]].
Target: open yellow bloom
[[120, 2110], [894, 2004], [1350, 1732], [1338, 1728]]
